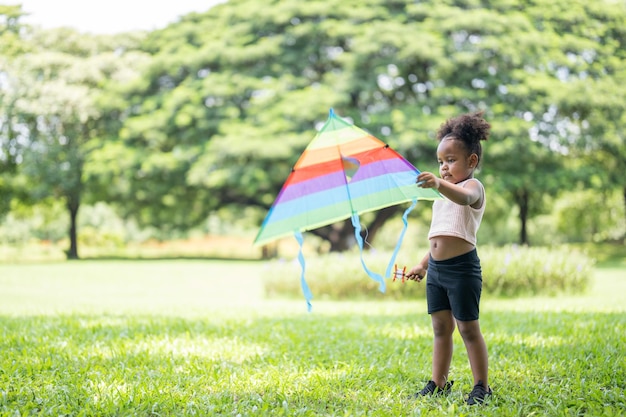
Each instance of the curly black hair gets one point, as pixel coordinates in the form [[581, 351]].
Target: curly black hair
[[468, 128]]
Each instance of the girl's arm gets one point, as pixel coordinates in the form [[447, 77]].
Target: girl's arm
[[468, 195], [418, 272]]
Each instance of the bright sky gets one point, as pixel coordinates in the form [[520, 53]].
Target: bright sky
[[109, 16]]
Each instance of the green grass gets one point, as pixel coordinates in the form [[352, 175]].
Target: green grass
[[195, 338]]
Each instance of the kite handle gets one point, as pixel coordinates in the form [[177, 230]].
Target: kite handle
[[399, 273]]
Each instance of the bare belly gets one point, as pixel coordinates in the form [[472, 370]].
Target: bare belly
[[446, 247]]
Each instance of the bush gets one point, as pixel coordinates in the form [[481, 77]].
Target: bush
[[336, 276], [507, 271], [590, 215], [519, 270]]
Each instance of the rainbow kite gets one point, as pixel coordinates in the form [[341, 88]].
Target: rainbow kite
[[342, 173]]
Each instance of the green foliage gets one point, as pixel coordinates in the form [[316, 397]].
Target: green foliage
[[606, 254], [11, 45], [507, 271], [11, 31], [44, 221], [194, 339], [229, 102], [54, 116], [99, 225], [336, 277], [591, 215], [208, 115], [518, 270]]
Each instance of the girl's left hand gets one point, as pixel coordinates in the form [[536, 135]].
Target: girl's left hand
[[417, 273]]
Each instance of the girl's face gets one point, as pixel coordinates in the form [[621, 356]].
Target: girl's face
[[455, 165]]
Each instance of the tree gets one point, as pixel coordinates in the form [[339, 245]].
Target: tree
[[253, 90], [228, 102], [591, 103], [586, 107], [11, 45], [58, 85]]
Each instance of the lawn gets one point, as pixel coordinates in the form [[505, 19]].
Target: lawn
[[195, 338]]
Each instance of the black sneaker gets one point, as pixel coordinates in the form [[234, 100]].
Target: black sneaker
[[479, 394], [432, 389]]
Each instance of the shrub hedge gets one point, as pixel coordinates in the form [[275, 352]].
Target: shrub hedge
[[507, 272]]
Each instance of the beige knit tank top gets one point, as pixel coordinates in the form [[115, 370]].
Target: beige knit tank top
[[451, 219]]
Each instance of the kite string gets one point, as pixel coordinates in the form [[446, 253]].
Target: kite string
[[367, 232], [399, 243], [357, 234]]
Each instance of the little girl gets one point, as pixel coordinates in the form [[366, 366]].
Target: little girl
[[454, 274]]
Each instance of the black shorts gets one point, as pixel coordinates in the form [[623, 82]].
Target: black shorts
[[455, 284]]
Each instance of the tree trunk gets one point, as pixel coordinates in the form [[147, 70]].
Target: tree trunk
[[339, 235], [341, 238], [379, 221], [73, 203], [624, 190], [269, 251], [522, 201]]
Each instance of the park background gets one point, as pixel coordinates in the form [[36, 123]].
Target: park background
[[136, 168]]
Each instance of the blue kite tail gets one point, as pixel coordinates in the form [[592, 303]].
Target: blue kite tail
[[357, 234], [395, 251], [305, 288]]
